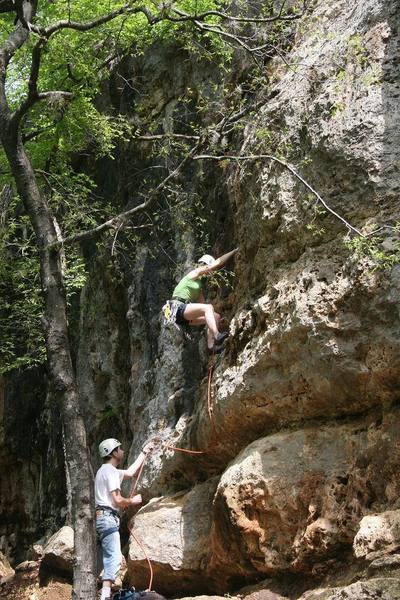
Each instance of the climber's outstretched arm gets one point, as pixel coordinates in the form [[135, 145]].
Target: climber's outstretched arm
[[220, 262]]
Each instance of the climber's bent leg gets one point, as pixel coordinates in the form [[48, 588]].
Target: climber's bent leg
[[194, 311], [211, 338]]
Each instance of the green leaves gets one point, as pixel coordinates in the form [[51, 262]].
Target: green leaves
[[21, 307], [384, 252]]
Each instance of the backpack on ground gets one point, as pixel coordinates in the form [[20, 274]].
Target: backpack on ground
[[127, 594]]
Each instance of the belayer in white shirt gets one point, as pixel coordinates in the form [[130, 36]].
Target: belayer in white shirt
[[109, 500]]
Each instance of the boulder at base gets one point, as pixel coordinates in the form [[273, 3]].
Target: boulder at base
[[378, 535], [175, 534], [293, 501], [5, 568], [372, 589], [58, 553]]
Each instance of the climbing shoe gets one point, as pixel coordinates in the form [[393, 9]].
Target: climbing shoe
[[221, 337]]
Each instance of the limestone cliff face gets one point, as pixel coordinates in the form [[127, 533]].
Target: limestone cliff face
[[303, 444]]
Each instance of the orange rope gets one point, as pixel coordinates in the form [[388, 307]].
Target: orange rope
[[136, 481], [147, 558], [131, 494], [184, 449], [210, 407]]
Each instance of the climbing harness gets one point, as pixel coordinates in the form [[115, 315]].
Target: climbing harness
[[106, 533], [169, 312]]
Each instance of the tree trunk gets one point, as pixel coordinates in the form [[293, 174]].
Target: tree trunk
[[60, 366]]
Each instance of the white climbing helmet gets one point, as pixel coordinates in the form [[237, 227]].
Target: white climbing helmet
[[107, 446], [207, 259]]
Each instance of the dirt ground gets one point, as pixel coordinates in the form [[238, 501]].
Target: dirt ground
[[24, 585]]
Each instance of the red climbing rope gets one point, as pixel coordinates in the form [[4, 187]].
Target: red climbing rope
[[131, 494], [210, 406], [184, 449], [147, 558]]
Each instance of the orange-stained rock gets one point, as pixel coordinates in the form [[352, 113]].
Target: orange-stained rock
[[293, 501]]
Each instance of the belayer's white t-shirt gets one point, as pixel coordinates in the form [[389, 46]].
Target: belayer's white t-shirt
[[108, 479]]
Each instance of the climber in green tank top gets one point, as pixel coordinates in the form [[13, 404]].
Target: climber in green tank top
[[192, 305], [188, 289]]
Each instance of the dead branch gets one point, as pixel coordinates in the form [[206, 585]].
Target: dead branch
[[225, 17], [165, 136], [118, 220]]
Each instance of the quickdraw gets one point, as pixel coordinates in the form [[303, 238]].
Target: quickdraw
[[169, 311]]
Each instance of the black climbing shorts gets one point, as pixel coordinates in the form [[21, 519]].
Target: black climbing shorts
[[180, 312]]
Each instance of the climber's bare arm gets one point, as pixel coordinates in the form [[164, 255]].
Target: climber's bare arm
[[220, 262]]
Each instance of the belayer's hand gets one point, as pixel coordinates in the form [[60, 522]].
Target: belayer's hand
[[149, 447], [135, 500]]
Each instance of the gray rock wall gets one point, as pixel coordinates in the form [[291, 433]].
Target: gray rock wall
[[32, 484]]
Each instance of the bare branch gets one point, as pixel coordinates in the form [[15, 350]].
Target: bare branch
[[15, 40], [233, 39], [383, 228], [27, 137], [32, 83], [55, 95], [225, 17], [165, 136], [225, 34], [126, 9], [293, 171], [116, 221]]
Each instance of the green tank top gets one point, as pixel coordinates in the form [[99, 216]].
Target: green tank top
[[188, 289]]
